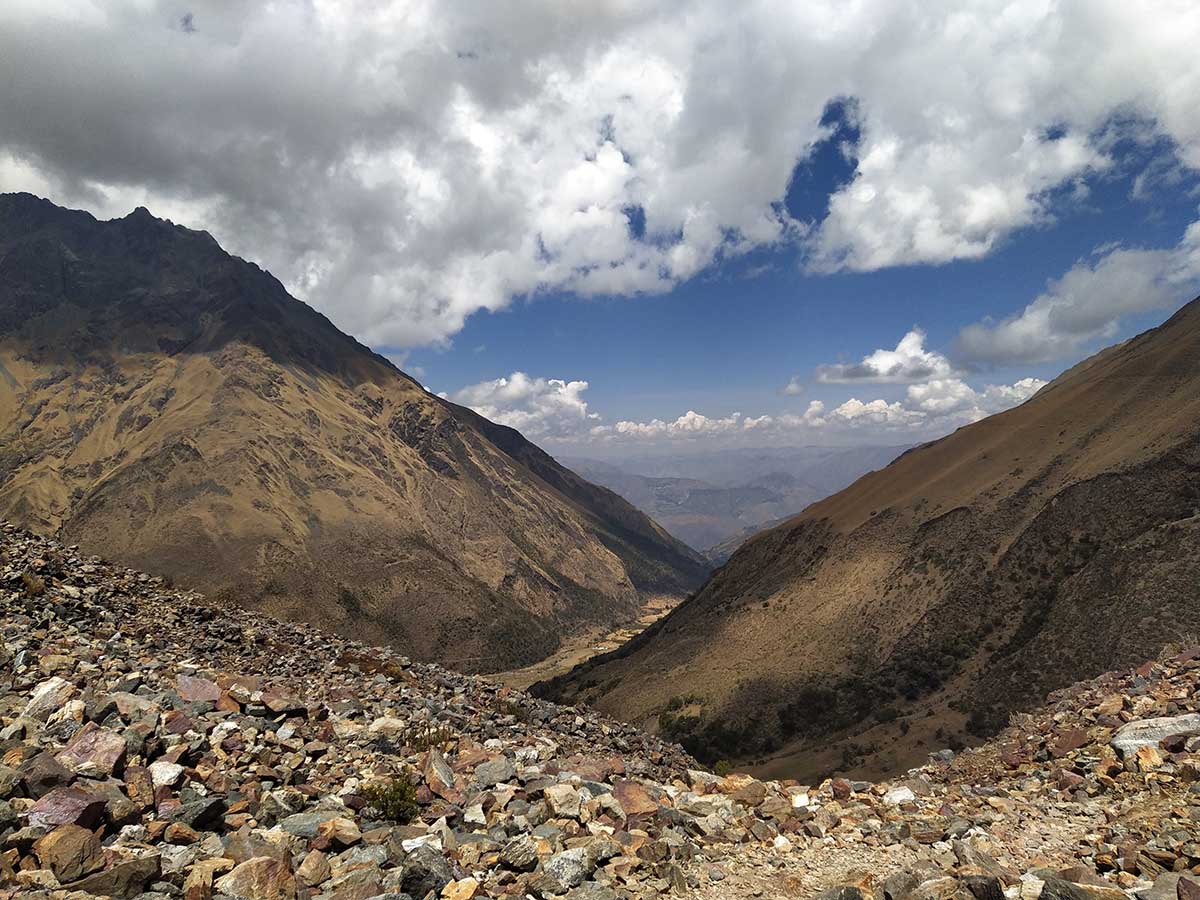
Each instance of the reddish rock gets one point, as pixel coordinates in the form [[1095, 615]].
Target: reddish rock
[[340, 832], [440, 777], [67, 806], [280, 703], [1068, 741], [94, 751], [199, 883], [139, 786], [314, 870], [752, 793], [178, 722], [1011, 756], [180, 834], [1069, 781], [634, 799], [197, 690], [841, 788], [43, 773]]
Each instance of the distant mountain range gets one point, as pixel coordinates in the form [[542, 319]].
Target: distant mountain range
[[715, 500], [924, 603], [171, 407]]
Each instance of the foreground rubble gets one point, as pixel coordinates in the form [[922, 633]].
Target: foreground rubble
[[154, 746]]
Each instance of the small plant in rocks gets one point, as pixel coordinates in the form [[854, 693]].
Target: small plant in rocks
[[394, 799]]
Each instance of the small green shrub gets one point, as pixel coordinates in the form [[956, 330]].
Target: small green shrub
[[426, 737], [35, 585], [722, 767], [396, 799], [506, 707]]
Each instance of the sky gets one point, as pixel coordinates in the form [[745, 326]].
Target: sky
[[625, 226]]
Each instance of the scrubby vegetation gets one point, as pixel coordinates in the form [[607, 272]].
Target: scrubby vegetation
[[395, 799]]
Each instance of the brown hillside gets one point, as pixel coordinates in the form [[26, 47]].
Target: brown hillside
[[972, 575], [163, 402]]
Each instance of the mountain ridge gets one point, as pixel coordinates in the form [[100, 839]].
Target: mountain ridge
[[942, 592], [161, 400]]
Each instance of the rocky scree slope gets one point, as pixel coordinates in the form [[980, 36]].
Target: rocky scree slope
[[965, 580], [171, 406], [153, 747]]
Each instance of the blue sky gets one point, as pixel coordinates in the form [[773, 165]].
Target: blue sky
[[669, 225], [730, 339]]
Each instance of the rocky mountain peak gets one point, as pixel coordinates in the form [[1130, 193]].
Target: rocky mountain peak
[[165, 402]]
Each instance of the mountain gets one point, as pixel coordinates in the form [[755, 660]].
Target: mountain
[[698, 513], [930, 599], [715, 500], [161, 400]]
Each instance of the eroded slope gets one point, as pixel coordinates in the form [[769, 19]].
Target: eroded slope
[[161, 401], [923, 603]]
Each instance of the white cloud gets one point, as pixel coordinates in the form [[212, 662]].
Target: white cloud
[[941, 396], [1088, 302], [927, 410], [794, 388], [404, 165], [909, 362], [555, 410], [537, 407], [691, 424], [998, 397], [951, 397]]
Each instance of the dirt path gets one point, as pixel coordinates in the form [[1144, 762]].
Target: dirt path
[[587, 644]]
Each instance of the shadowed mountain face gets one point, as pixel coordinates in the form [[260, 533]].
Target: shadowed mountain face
[[929, 599], [172, 407]]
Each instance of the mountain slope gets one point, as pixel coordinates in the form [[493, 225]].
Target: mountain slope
[[163, 401], [698, 513], [1039, 546]]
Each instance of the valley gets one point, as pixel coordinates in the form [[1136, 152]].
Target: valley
[[715, 501], [955, 586], [580, 647]]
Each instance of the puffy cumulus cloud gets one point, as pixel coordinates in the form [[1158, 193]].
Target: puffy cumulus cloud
[[1087, 303], [554, 410], [874, 412], [978, 112], [941, 395], [999, 397], [691, 424], [537, 407], [953, 398], [909, 362], [403, 165]]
